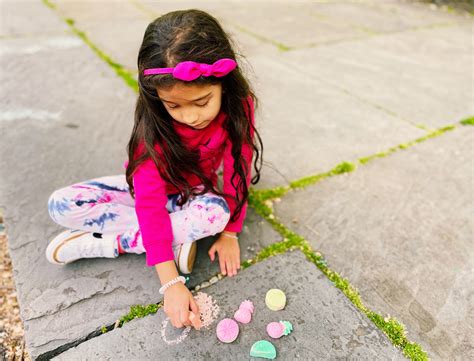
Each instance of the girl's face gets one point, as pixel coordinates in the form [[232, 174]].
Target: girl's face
[[192, 105]]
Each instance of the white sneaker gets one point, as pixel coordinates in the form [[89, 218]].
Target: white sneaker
[[184, 256], [73, 244]]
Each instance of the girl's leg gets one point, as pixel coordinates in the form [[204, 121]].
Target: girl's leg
[[97, 205], [201, 216], [104, 205]]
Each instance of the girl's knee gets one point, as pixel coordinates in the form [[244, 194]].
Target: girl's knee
[[57, 205], [60, 207], [212, 208]]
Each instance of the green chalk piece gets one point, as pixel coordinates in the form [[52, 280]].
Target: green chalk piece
[[288, 327], [264, 349]]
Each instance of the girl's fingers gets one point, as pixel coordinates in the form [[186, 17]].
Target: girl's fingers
[[212, 253], [230, 267], [222, 265], [194, 306], [176, 322], [183, 317]]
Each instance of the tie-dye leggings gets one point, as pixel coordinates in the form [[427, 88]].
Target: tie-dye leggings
[[104, 205]]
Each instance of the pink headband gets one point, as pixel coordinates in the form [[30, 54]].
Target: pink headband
[[190, 70]]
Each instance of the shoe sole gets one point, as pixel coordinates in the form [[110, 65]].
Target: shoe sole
[[55, 246], [186, 264]]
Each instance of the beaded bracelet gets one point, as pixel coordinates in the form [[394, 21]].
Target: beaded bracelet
[[170, 283], [230, 235]]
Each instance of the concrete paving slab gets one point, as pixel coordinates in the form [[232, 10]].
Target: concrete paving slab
[[103, 22], [64, 114], [326, 324], [308, 126], [280, 22], [400, 229], [377, 16], [16, 19], [423, 76]]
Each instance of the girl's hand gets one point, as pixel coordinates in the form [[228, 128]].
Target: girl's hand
[[178, 301], [229, 254]]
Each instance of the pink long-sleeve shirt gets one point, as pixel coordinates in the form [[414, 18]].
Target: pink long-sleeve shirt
[[151, 189]]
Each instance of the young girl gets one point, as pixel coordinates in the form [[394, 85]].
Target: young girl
[[194, 112]]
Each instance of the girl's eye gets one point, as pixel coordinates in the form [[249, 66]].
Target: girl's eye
[[199, 105]]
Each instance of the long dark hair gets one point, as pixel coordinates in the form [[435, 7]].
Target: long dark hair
[[197, 36]]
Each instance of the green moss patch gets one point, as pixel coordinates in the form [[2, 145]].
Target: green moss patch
[[120, 70], [467, 121], [139, 311]]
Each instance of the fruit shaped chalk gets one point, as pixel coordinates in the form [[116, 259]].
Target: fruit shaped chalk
[[244, 313], [227, 330], [275, 299], [278, 329], [263, 348], [247, 305]]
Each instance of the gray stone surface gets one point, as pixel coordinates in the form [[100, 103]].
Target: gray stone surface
[[326, 324], [378, 17], [401, 229], [319, 127], [128, 20], [66, 123], [124, 21], [16, 19], [278, 22], [64, 114], [423, 76]]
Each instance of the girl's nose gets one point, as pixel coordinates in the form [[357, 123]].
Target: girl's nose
[[190, 118]]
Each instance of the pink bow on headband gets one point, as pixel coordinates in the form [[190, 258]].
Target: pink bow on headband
[[190, 70]]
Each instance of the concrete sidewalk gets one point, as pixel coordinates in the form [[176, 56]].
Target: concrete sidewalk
[[350, 86]]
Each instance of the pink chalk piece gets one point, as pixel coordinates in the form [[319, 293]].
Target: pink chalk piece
[[247, 305], [275, 329], [227, 330], [242, 315]]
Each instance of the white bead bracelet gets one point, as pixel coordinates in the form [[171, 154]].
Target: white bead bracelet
[[170, 283], [230, 235]]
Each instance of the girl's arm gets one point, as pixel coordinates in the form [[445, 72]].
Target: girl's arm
[[166, 271], [152, 215]]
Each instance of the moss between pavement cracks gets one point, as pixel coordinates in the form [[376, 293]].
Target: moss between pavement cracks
[[121, 71]]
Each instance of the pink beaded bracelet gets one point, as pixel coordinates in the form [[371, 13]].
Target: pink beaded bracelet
[[170, 283]]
